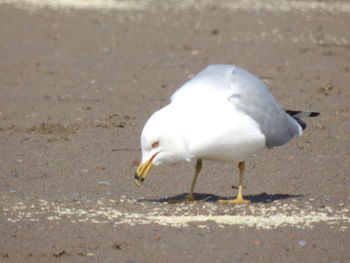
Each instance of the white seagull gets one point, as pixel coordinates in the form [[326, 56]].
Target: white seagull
[[223, 114]]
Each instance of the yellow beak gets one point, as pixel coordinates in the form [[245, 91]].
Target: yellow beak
[[143, 170]]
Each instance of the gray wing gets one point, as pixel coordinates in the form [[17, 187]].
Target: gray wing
[[248, 93], [251, 96]]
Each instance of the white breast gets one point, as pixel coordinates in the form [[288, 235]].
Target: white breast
[[223, 134]]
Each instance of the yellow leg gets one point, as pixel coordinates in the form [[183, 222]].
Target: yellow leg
[[190, 196], [239, 199]]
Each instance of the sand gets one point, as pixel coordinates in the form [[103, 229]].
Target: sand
[[78, 80]]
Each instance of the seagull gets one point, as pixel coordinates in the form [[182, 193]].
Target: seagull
[[224, 114]]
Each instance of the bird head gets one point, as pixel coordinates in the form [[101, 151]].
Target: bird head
[[161, 141]]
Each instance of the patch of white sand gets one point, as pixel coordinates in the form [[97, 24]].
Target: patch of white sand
[[181, 215], [122, 5], [238, 5], [270, 5]]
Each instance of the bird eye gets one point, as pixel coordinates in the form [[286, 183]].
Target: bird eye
[[155, 144]]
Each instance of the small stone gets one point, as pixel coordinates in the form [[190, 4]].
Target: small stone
[[326, 89], [257, 243], [104, 182], [327, 198], [214, 32], [105, 50], [302, 243]]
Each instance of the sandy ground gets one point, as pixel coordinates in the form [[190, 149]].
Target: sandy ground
[[77, 85]]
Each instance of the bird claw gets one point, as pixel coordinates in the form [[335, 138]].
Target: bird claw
[[188, 198], [234, 201]]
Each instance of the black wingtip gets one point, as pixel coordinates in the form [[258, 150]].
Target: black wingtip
[[293, 112], [297, 115], [314, 114], [301, 123], [302, 114]]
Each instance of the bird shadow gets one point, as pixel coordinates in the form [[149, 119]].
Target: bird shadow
[[260, 198]]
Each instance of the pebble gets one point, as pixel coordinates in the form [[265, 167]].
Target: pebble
[[327, 198], [257, 243], [104, 182], [302, 243], [105, 50]]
